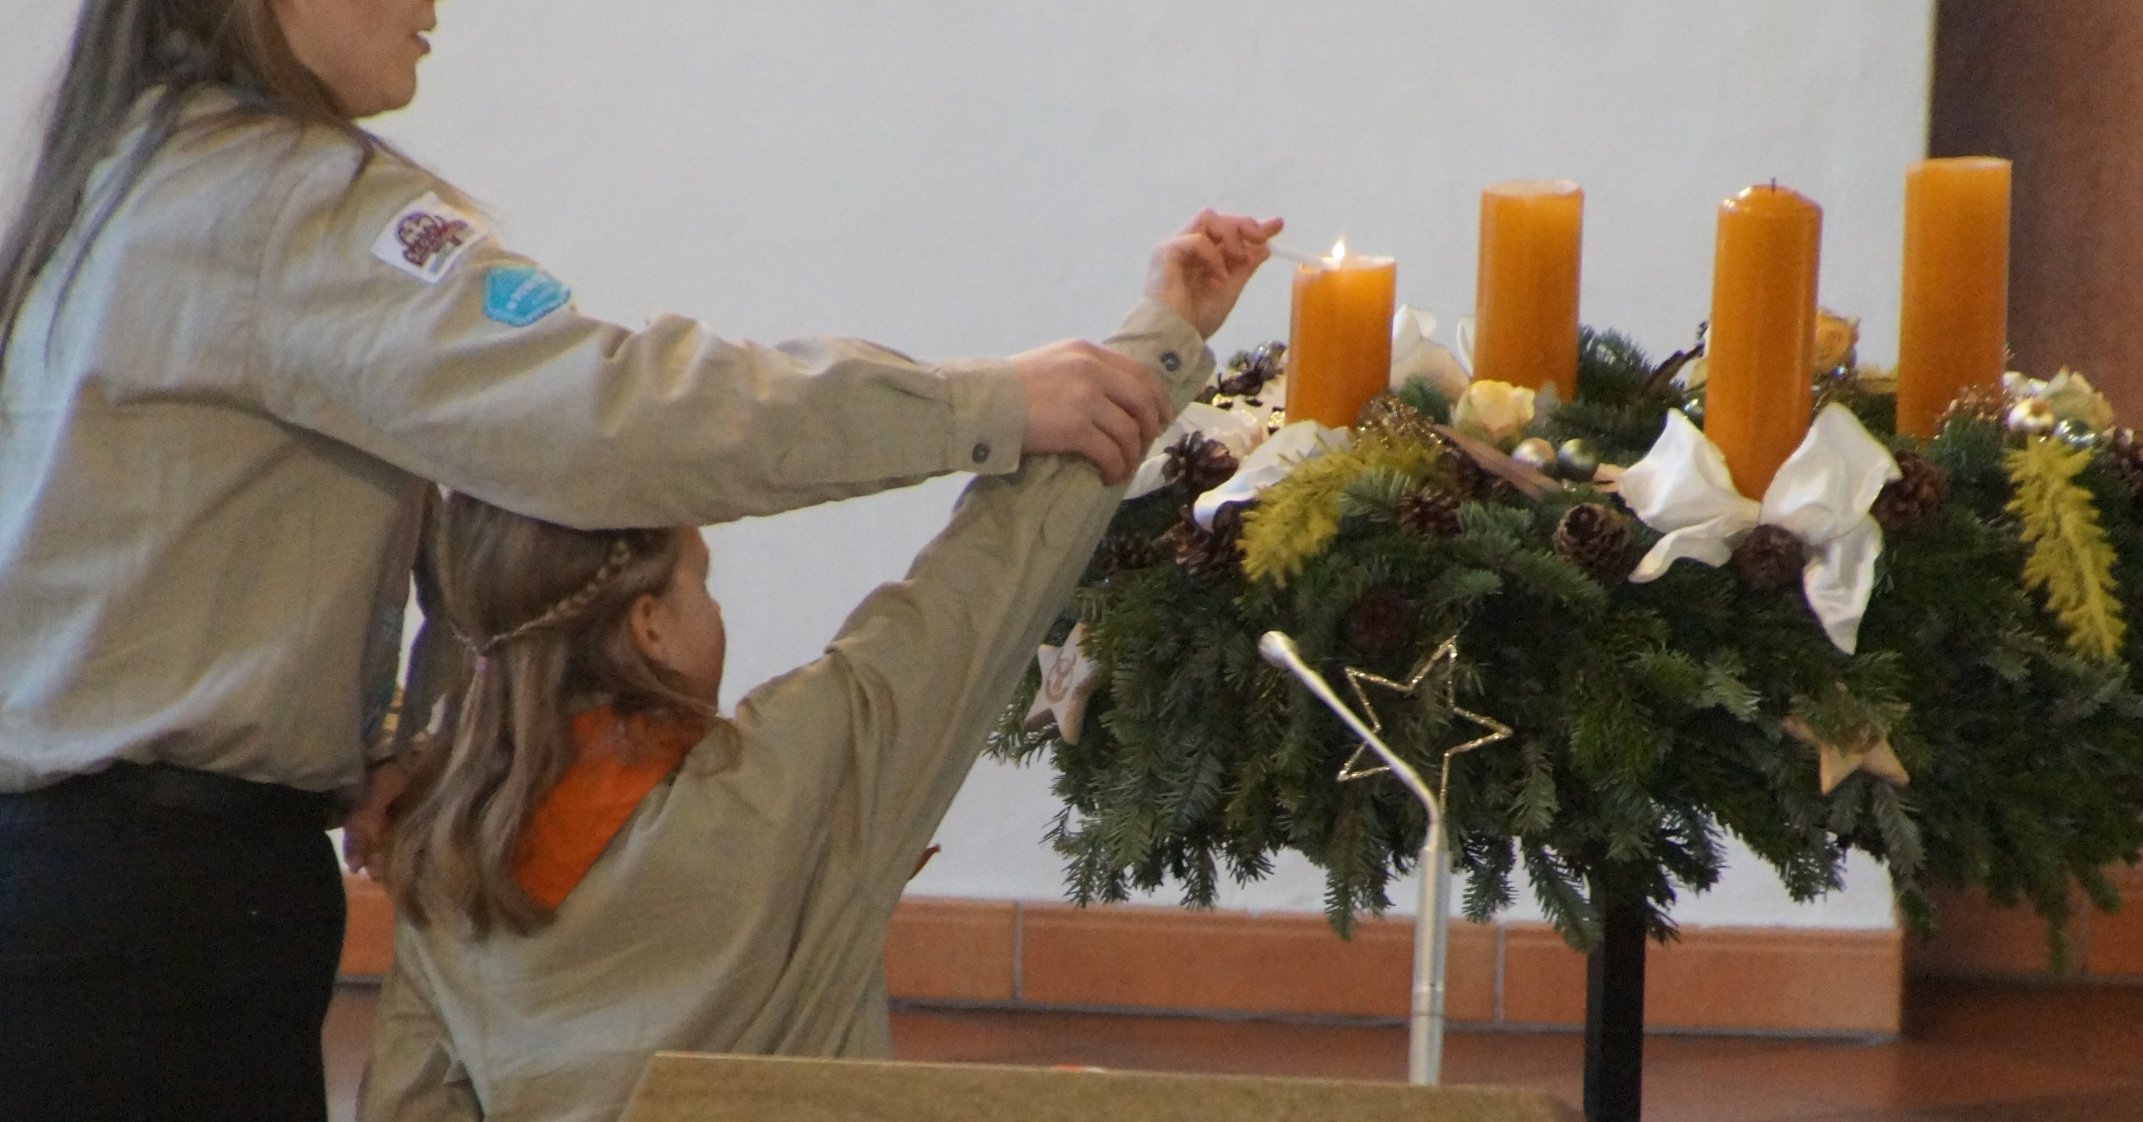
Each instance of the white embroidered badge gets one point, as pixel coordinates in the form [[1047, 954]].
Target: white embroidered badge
[[427, 237]]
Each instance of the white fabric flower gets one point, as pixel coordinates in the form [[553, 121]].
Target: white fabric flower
[[1415, 355], [1494, 411]]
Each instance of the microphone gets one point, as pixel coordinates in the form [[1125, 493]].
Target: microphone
[[1425, 1028]]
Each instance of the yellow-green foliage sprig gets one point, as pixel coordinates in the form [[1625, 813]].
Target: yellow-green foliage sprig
[[1296, 518], [2071, 562]]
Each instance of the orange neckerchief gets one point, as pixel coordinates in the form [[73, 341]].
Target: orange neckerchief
[[574, 823]]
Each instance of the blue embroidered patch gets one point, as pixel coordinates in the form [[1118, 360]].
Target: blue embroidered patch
[[517, 295]]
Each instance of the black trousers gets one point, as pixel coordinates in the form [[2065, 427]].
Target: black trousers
[[164, 961]]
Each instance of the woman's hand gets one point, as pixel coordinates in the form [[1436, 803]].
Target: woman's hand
[[1091, 401], [1202, 270], [368, 821], [1088, 400]]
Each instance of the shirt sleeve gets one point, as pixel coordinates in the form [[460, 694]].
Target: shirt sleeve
[[413, 1075], [394, 321], [923, 667]]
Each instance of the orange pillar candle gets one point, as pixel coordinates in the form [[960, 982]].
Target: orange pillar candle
[[1953, 324], [1525, 304], [1762, 338], [1339, 345]]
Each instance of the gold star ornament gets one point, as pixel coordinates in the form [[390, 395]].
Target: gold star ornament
[[1869, 751], [1438, 672]]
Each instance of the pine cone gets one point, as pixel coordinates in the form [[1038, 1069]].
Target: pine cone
[[1209, 555], [1468, 478], [1198, 463], [1250, 371], [1906, 502], [1769, 559], [1429, 512], [1122, 553], [2126, 451], [1595, 538], [1380, 623]]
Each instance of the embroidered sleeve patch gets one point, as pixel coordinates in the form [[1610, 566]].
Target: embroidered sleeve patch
[[517, 295], [427, 237]]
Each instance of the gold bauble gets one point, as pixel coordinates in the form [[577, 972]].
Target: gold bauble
[[1535, 453]]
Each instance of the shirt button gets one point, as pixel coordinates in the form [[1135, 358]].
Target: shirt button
[[982, 452], [1170, 362]]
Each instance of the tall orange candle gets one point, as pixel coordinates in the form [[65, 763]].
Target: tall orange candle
[[1525, 305], [1339, 345], [1953, 323], [1762, 338]]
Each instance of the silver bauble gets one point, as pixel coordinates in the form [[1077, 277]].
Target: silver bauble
[[1535, 453], [2030, 417], [2076, 434], [1576, 461]]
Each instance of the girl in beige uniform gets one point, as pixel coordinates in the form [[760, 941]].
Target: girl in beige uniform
[[597, 868], [240, 341]]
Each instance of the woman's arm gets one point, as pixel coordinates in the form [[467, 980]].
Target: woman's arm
[[396, 322]]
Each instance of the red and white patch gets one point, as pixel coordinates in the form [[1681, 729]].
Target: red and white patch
[[427, 237]]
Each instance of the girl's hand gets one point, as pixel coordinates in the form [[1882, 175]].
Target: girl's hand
[[368, 821], [1202, 270]]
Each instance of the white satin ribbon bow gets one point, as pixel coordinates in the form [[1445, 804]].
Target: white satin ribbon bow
[[1821, 495], [1236, 429], [1273, 461]]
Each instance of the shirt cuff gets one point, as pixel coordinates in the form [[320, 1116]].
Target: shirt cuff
[[1154, 333], [989, 412]]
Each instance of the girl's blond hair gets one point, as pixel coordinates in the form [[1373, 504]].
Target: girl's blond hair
[[542, 611]]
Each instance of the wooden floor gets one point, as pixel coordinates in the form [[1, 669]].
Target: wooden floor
[[1972, 1052]]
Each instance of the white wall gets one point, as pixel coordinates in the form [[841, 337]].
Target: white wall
[[973, 176]]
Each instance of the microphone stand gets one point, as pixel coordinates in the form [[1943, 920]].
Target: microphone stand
[[1425, 1026]]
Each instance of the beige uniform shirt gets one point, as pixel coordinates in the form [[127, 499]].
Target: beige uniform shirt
[[744, 906], [212, 449]]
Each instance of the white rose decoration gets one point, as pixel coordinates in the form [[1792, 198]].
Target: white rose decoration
[[1494, 411]]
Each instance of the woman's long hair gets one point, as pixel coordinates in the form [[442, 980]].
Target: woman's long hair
[[543, 610], [123, 50]]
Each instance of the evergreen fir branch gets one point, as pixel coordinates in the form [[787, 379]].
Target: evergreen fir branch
[[1724, 687], [1377, 492], [1551, 576], [1611, 367], [1901, 835], [1423, 397], [1490, 864], [1562, 899], [1534, 808]]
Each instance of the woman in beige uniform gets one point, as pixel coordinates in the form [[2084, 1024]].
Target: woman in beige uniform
[[240, 340]]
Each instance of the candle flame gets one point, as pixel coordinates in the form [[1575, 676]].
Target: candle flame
[[1339, 251]]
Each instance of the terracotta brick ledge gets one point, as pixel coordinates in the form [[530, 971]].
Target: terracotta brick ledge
[[1518, 975], [1975, 938]]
